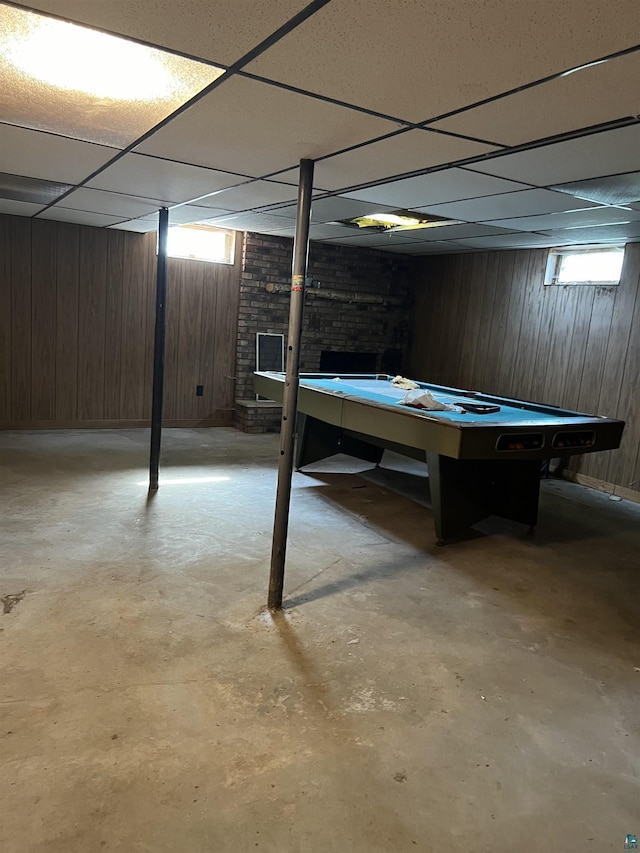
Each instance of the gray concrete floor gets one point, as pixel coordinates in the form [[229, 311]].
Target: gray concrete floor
[[478, 697]]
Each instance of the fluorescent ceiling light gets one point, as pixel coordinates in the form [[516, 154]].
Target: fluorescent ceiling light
[[68, 79], [392, 219], [78, 59], [400, 220]]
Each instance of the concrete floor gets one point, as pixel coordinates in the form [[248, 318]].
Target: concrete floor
[[478, 697]]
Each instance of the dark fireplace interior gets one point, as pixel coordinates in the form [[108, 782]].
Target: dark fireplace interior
[[347, 362]]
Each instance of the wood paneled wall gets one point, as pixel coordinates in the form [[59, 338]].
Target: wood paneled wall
[[486, 321], [77, 309]]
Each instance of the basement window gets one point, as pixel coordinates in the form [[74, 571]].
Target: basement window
[[201, 243], [597, 265]]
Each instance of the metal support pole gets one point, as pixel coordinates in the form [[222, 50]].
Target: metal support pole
[[290, 399], [158, 349]]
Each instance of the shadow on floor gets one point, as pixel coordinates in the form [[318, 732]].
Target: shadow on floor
[[579, 574]]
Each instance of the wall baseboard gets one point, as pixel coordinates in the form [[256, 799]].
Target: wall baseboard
[[223, 421], [601, 485]]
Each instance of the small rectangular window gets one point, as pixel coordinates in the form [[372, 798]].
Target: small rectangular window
[[598, 265], [201, 243]]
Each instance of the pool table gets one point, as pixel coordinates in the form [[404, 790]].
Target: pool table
[[479, 464]]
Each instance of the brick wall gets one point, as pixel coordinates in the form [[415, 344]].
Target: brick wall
[[376, 319]]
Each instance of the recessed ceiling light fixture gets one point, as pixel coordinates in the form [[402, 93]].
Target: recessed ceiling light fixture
[[79, 59], [399, 220], [78, 82]]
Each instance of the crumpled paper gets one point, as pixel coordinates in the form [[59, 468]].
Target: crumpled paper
[[423, 399]]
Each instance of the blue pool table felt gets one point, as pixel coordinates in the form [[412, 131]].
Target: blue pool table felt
[[382, 391]]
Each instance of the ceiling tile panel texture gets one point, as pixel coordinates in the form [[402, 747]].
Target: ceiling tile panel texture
[[518, 120]]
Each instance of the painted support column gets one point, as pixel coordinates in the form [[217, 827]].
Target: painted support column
[[158, 349]]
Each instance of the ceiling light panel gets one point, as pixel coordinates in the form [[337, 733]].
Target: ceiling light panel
[[405, 152], [614, 189], [77, 82], [19, 208], [220, 32], [80, 217], [591, 96], [418, 60], [151, 177], [20, 188], [507, 206], [435, 188], [54, 158], [606, 153], [250, 195], [243, 126], [569, 219]]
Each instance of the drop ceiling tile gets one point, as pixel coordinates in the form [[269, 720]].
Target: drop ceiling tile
[[614, 189], [317, 232], [251, 222], [19, 208], [115, 204], [588, 97], [335, 208], [284, 232], [33, 190], [405, 152], [606, 153], [72, 97], [80, 217], [599, 234], [188, 213], [142, 226], [425, 248], [454, 232], [150, 177], [219, 32], [255, 128], [44, 155], [508, 241], [376, 241], [435, 188], [507, 205], [415, 60], [292, 177], [328, 232], [447, 249], [569, 219], [250, 195]]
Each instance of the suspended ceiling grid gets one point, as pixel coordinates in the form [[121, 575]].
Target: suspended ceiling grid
[[519, 120]]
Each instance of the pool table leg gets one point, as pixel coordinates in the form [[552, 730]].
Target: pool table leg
[[465, 491], [318, 440]]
